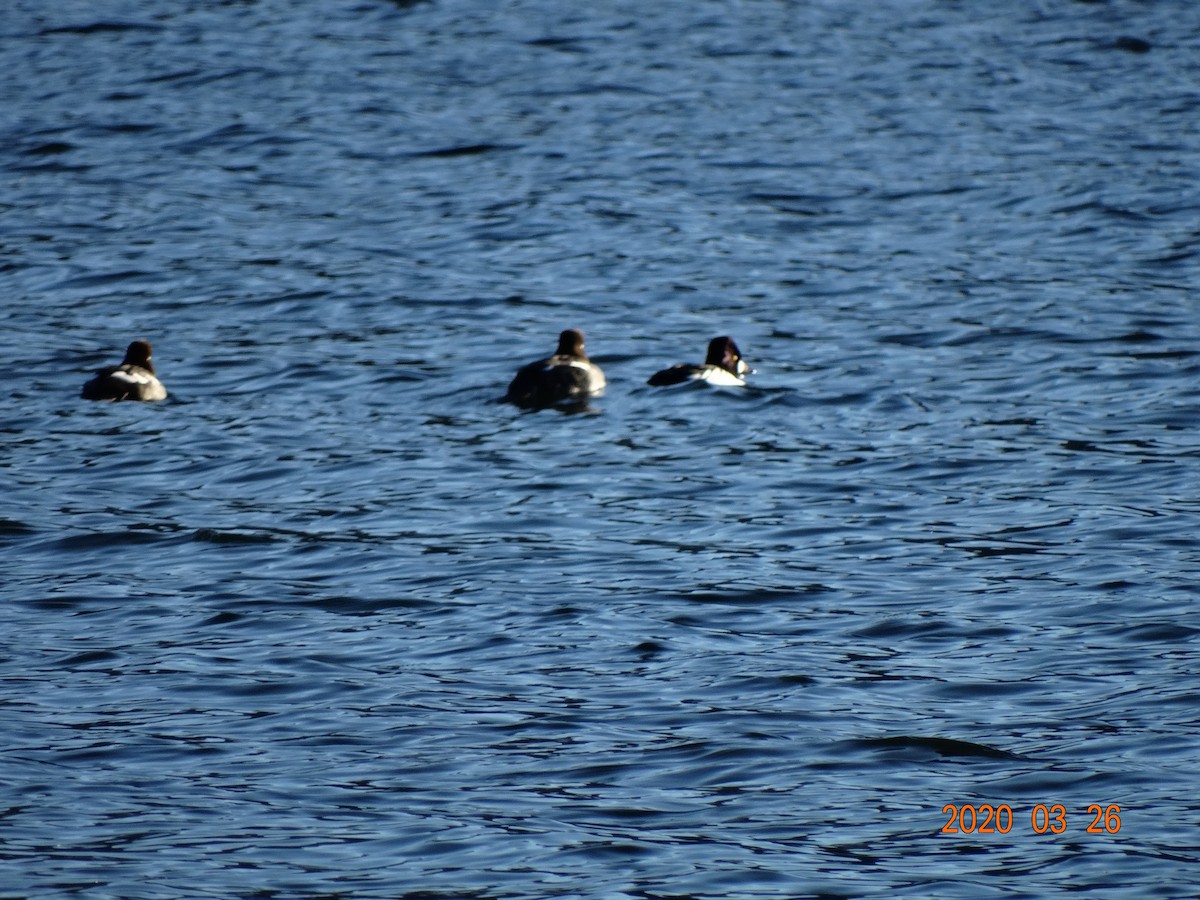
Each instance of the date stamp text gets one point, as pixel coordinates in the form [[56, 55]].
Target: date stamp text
[[986, 818]]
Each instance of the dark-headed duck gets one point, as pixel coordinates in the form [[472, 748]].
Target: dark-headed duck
[[723, 366], [133, 379], [567, 375]]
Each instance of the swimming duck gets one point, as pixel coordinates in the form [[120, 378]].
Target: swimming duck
[[567, 375], [723, 366], [133, 379]]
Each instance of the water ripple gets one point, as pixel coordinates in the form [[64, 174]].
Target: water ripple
[[331, 620]]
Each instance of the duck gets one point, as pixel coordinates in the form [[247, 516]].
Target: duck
[[723, 366], [568, 375], [133, 379]]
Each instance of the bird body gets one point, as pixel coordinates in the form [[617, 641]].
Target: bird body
[[133, 379], [568, 375], [723, 366]]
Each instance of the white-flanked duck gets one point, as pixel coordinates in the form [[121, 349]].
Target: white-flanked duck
[[723, 366], [133, 379], [568, 375]]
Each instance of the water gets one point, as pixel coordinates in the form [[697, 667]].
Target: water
[[332, 622]]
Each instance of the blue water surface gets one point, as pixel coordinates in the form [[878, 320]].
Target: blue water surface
[[332, 621]]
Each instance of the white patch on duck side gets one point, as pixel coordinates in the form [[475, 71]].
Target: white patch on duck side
[[718, 376], [143, 385], [596, 381], [139, 376]]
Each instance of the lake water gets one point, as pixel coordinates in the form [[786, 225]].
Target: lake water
[[331, 621]]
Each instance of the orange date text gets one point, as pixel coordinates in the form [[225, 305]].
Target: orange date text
[[1044, 818]]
